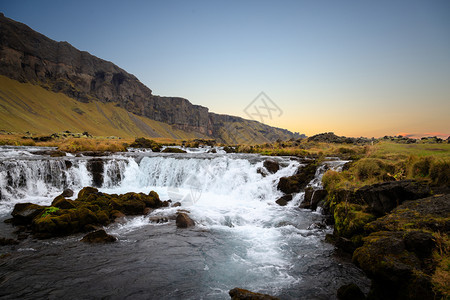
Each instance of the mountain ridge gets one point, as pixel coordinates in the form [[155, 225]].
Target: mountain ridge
[[30, 57]]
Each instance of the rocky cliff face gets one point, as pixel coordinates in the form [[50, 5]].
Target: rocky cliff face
[[28, 56]]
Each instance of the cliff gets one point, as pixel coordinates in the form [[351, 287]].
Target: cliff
[[30, 57]]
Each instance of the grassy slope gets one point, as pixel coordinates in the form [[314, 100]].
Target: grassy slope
[[26, 107]]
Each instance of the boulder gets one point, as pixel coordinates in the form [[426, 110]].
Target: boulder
[[176, 204], [23, 213], [89, 211], [184, 221], [63, 203], [95, 166], [67, 193], [241, 294], [173, 150], [271, 165], [98, 237], [284, 200], [297, 182], [313, 198], [383, 197]]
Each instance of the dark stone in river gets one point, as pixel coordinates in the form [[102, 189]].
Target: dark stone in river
[[284, 200], [271, 165], [61, 202], [89, 211], [297, 182], [98, 237], [67, 193], [313, 198], [241, 294], [24, 213], [184, 221], [95, 166]]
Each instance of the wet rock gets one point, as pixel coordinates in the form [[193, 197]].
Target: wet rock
[[67, 193], [95, 166], [68, 164], [98, 237], [173, 150], [86, 191], [262, 171], [313, 198], [23, 213], [350, 292], [297, 182], [176, 204], [89, 211], [7, 241], [184, 221], [271, 165], [383, 197], [241, 294], [159, 219], [63, 203], [284, 200]]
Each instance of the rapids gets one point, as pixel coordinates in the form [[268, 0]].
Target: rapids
[[242, 237]]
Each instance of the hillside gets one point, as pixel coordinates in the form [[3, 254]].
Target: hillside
[[120, 100]]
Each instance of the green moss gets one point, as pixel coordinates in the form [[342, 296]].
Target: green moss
[[350, 219], [49, 210]]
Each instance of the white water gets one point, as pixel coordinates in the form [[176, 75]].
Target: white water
[[223, 193]]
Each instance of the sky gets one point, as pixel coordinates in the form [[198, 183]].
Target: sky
[[356, 68]]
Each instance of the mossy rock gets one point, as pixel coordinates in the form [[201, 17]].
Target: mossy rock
[[86, 191], [91, 210], [350, 219], [63, 203]]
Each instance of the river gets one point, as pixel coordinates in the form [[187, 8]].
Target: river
[[242, 238]]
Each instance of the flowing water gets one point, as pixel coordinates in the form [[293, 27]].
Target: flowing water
[[242, 238]]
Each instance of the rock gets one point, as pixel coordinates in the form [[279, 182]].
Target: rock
[[98, 237], [7, 242], [383, 197], [431, 213], [159, 219], [23, 213], [420, 242], [184, 221], [86, 191], [297, 182], [313, 198], [173, 150], [284, 200], [176, 204], [67, 193], [271, 165], [262, 171], [63, 203], [95, 166], [396, 273], [89, 211], [350, 292], [241, 294]]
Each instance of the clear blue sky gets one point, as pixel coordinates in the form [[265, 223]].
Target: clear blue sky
[[353, 67]]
